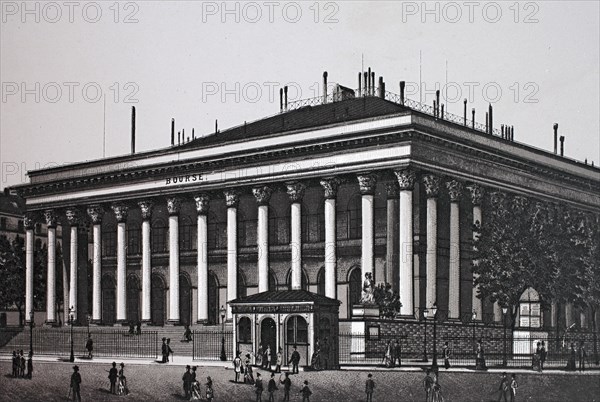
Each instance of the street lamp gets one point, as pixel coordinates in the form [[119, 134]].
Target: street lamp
[[31, 324], [223, 355], [473, 318], [425, 313], [434, 365], [89, 320], [504, 311], [71, 317]]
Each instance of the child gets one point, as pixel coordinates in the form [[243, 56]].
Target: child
[[305, 391]]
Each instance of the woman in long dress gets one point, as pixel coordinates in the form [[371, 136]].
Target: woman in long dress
[[315, 361], [387, 359], [437, 390]]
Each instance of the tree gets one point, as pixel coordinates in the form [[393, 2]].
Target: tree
[[12, 274]]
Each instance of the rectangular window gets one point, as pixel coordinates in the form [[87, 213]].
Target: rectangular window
[[109, 244], [134, 241]]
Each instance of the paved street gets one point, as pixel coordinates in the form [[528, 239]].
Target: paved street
[[152, 382]]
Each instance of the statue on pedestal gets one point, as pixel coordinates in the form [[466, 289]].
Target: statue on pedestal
[[367, 290]]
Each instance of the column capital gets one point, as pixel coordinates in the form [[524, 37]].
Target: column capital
[[51, 218], [262, 194], [202, 203], [232, 198], [406, 179], [73, 216], [120, 211], [146, 208], [455, 189], [95, 212], [330, 185], [392, 190], [367, 183], [432, 185], [173, 205], [476, 193], [296, 191], [29, 220]]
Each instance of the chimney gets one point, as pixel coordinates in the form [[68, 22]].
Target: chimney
[[359, 84], [502, 131], [281, 99], [193, 135], [555, 138], [172, 131], [381, 91], [402, 86], [473, 118], [183, 136], [487, 122], [442, 113], [365, 84], [324, 87], [491, 122], [512, 133], [465, 112], [369, 81], [436, 110], [285, 102], [179, 138], [216, 126], [562, 145], [133, 129], [373, 83]]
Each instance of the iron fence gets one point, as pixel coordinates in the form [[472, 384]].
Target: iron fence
[[514, 350], [207, 345], [55, 341]]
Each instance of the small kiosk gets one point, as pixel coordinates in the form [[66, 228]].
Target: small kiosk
[[286, 319]]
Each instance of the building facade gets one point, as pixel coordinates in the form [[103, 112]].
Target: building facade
[[312, 198]]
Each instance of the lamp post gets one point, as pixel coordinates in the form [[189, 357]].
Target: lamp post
[[434, 364], [89, 319], [31, 324], [473, 318], [223, 355], [425, 313], [504, 311], [71, 314]]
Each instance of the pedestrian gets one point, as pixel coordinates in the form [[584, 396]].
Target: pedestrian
[[138, 330], [513, 387], [112, 377], [398, 353], [325, 354], [306, 392], [164, 349], [272, 387], [437, 390], [536, 364], [76, 384], [287, 384], [504, 388], [15, 364], [572, 357], [195, 389], [279, 361], [388, 357], [315, 360], [543, 355], [22, 363], [209, 389], [187, 381], [428, 385], [237, 366], [267, 358], [248, 377], [187, 335], [582, 355], [259, 356], [30, 366], [89, 345], [295, 360], [169, 350], [194, 373], [258, 385], [446, 355], [369, 387], [480, 357], [122, 388]]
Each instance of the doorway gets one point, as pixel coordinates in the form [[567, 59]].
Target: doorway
[[268, 336]]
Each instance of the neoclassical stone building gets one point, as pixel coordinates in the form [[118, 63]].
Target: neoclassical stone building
[[311, 198]]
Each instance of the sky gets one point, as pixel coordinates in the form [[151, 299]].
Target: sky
[[71, 71]]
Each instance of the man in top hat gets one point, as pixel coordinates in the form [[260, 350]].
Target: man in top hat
[[112, 377], [164, 350], [295, 359], [187, 382], [76, 384], [369, 387]]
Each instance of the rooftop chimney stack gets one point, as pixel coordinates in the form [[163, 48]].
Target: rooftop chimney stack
[[442, 112], [133, 129], [502, 131], [324, 87], [402, 86], [555, 138], [281, 99], [285, 100], [365, 83], [487, 122], [359, 84], [436, 110], [562, 145], [193, 135], [369, 81], [473, 118], [512, 133], [491, 122], [381, 93], [373, 83], [179, 138], [172, 131], [465, 112], [216, 126]]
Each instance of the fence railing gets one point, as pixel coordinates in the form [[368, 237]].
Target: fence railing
[[509, 351], [51, 341], [207, 345]]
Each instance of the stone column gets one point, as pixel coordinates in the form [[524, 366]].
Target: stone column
[[73, 217], [366, 184], [29, 224], [95, 212], [120, 211], [330, 185], [263, 195], [51, 219], [174, 207], [146, 209], [406, 183], [232, 200], [432, 188], [392, 243], [296, 191], [202, 204], [476, 198], [454, 191]]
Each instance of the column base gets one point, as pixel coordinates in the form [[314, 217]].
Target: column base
[[173, 323]]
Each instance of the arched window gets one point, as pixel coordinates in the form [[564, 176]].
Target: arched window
[[159, 236], [321, 281], [187, 234], [217, 232], [244, 330], [296, 331], [530, 314], [303, 280], [134, 238], [109, 241], [279, 228], [354, 288]]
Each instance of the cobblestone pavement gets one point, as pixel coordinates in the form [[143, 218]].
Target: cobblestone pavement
[[156, 382]]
